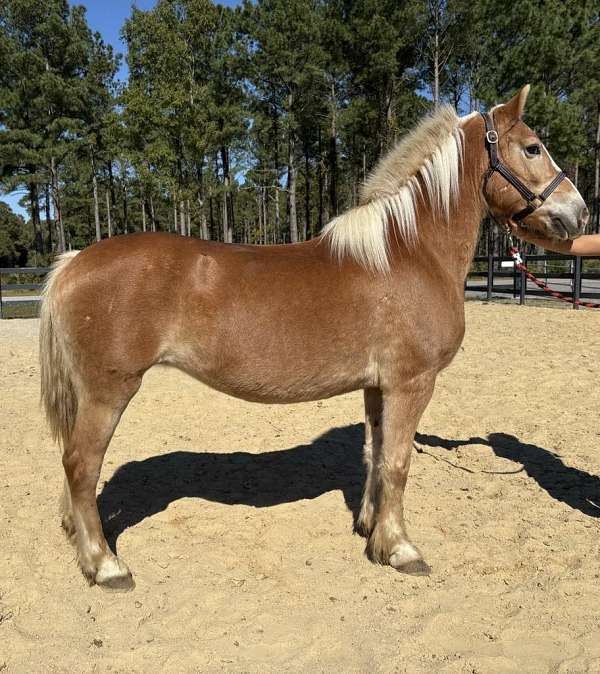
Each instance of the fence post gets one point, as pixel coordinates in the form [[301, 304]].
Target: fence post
[[523, 288], [490, 262], [577, 282]]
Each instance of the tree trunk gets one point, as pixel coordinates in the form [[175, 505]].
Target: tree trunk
[[225, 219], [291, 190], [333, 203], [96, 204], [125, 202], [125, 213], [38, 239], [204, 226], [265, 212], [188, 215], [204, 231], [113, 198], [277, 232], [307, 223], [62, 245], [326, 202], [291, 193], [175, 220], [152, 218], [259, 212], [390, 135], [596, 205], [143, 215], [182, 217], [49, 223], [320, 180], [364, 164], [291, 173], [230, 203], [108, 215], [227, 205]]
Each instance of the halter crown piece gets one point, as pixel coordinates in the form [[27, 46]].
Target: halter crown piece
[[533, 200]]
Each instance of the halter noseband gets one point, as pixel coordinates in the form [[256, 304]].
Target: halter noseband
[[491, 141]]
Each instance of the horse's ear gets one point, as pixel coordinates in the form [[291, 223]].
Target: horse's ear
[[513, 110]]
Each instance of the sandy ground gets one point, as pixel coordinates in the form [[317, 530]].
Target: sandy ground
[[236, 520]]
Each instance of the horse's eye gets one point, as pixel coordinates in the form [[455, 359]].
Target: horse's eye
[[533, 150]]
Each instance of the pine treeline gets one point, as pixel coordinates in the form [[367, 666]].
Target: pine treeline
[[258, 124]]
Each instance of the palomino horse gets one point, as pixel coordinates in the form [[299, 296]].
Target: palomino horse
[[374, 303]]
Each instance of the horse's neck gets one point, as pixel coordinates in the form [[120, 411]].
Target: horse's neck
[[466, 215], [452, 243], [459, 237]]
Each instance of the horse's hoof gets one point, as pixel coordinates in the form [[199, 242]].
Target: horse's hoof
[[122, 584], [114, 576], [416, 568], [407, 559]]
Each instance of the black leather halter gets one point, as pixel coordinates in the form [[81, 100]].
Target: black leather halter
[[491, 141]]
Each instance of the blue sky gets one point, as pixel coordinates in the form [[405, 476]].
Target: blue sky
[[107, 17]]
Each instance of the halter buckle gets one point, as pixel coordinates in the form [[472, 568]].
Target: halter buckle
[[491, 136], [539, 199]]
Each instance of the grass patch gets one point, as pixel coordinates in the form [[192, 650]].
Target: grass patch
[[21, 293], [20, 310]]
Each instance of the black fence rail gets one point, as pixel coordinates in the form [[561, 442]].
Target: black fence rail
[[24, 276], [574, 277]]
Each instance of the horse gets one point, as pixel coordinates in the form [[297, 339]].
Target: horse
[[375, 302]]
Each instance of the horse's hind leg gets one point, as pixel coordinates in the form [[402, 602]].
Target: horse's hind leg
[[402, 409], [82, 460], [371, 451]]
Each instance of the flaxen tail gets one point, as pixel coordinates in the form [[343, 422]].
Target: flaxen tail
[[57, 392]]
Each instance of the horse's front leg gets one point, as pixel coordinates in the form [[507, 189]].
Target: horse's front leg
[[402, 411], [371, 452]]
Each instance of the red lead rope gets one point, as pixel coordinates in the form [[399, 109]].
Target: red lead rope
[[521, 266]]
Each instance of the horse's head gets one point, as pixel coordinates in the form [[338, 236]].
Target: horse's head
[[533, 192]]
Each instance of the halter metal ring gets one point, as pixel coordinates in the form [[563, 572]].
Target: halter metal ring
[[491, 136]]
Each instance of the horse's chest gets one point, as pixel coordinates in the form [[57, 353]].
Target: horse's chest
[[422, 340]]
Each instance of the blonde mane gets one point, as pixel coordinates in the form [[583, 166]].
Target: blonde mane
[[430, 155]]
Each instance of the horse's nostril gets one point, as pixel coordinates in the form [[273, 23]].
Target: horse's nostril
[[584, 216]]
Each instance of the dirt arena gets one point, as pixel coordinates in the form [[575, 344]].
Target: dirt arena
[[236, 520]]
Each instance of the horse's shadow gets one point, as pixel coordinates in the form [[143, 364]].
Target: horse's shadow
[[140, 489], [577, 488]]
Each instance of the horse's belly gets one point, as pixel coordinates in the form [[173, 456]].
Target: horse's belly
[[298, 381]]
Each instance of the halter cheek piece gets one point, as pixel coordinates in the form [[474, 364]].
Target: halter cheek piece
[[491, 141]]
